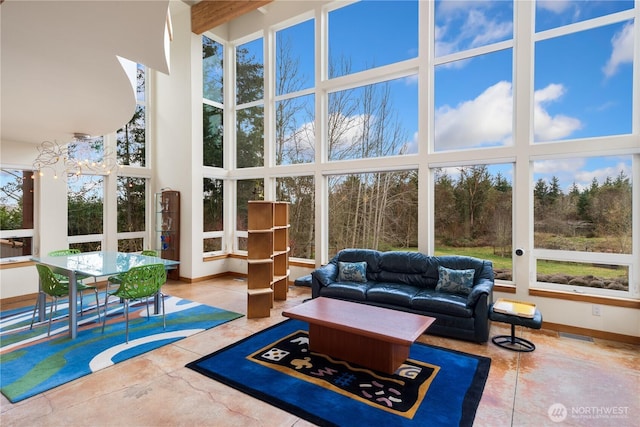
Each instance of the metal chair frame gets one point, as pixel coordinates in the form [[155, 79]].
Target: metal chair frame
[[55, 288], [116, 280], [79, 277]]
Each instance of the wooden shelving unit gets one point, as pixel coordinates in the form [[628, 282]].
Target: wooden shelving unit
[[268, 256]]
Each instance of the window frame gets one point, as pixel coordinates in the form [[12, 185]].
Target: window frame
[[22, 232], [520, 153]]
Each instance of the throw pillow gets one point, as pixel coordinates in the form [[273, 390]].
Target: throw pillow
[[352, 271], [455, 281]]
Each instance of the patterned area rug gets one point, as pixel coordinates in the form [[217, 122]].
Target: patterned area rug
[[31, 363], [435, 386]]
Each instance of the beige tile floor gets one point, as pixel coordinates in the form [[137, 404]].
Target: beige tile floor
[[592, 379]]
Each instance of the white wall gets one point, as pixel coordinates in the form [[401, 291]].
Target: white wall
[[171, 127]]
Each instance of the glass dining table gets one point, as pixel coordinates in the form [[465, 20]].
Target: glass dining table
[[95, 264]]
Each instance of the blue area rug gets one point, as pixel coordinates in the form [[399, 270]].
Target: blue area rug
[[31, 363], [434, 387]]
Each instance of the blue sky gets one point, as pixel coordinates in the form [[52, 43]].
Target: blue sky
[[582, 81]]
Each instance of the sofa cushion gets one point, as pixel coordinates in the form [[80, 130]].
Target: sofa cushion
[[453, 281], [346, 290], [352, 271], [438, 302], [369, 256], [459, 262], [392, 293], [403, 262]]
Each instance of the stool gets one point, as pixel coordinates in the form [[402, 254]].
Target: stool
[[512, 342], [303, 281]]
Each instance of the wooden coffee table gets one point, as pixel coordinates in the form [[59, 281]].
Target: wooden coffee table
[[374, 337]]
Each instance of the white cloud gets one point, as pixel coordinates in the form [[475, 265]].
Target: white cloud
[[584, 178], [473, 30], [349, 131], [622, 50], [411, 80], [571, 170], [483, 121], [487, 119], [348, 134], [411, 147], [555, 6], [301, 144], [443, 48], [549, 93], [553, 166], [563, 169], [480, 121], [605, 106], [485, 31], [346, 138], [547, 127], [454, 7]]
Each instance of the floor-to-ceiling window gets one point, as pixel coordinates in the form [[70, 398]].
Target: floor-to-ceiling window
[[90, 191], [213, 146], [213, 215], [132, 189], [373, 210], [473, 77], [583, 204], [85, 212], [249, 84], [451, 127]]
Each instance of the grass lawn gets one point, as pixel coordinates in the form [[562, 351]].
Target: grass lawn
[[543, 267], [482, 252]]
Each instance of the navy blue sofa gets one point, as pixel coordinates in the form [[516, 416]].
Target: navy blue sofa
[[407, 281]]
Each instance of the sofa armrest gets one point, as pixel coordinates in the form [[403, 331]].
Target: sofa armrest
[[323, 276], [484, 287]]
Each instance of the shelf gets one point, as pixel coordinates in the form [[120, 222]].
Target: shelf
[[280, 239], [280, 265], [267, 255], [280, 287], [259, 291], [260, 261], [259, 303], [260, 245], [260, 215], [261, 275], [277, 278], [281, 214]]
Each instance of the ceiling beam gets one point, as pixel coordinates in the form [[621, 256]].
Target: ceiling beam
[[209, 14]]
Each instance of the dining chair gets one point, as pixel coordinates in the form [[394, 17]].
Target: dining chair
[[53, 287], [115, 280], [139, 283], [79, 276]]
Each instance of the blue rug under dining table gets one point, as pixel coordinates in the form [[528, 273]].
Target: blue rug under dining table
[[32, 363]]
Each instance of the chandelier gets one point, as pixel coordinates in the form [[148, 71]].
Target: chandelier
[[81, 155]]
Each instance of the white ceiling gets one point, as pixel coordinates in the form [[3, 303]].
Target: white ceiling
[[60, 72]]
